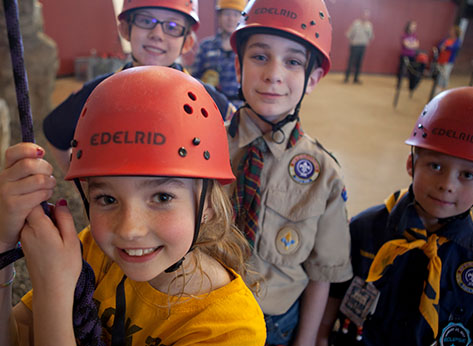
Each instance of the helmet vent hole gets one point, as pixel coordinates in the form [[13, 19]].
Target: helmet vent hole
[[312, 22], [206, 155], [204, 112], [188, 109], [182, 152], [317, 35], [303, 26], [322, 15], [192, 96]]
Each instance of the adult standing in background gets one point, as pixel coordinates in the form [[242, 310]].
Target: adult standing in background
[[448, 50], [359, 34], [409, 46], [215, 60]]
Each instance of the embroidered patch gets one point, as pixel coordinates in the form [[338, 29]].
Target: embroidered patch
[[455, 334], [304, 169], [464, 275], [287, 241]]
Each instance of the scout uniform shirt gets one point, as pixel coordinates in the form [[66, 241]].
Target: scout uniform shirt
[[398, 319], [303, 229]]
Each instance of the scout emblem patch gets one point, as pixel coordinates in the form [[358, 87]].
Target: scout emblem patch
[[304, 169], [287, 241], [464, 276], [455, 334]]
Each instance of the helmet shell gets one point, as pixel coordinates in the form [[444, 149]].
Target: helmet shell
[[446, 124], [238, 5], [188, 7], [308, 21], [150, 121]]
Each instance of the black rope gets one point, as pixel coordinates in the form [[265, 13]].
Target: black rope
[[87, 327]]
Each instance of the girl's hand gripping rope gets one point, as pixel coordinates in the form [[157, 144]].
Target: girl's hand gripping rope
[[25, 182]]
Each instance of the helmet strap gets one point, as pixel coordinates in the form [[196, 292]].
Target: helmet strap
[[82, 196], [198, 218]]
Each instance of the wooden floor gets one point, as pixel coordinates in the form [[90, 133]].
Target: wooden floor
[[359, 125]]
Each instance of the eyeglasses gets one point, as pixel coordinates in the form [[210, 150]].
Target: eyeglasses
[[169, 27]]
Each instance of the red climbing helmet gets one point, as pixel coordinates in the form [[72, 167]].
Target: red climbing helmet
[[150, 121], [187, 7], [309, 21], [446, 124]]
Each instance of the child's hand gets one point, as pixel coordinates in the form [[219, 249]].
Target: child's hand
[[25, 182], [52, 252]]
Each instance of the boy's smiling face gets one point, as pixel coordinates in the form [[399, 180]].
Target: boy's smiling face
[[153, 46], [273, 75], [443, 184]]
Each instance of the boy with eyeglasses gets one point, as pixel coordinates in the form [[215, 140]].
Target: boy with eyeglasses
[[159, 32]]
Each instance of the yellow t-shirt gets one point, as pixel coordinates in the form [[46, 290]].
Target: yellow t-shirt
[[229, 315]]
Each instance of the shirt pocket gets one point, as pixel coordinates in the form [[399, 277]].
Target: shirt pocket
[[289, 226]]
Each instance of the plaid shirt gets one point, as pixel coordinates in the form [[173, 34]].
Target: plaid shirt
[[211, 56]]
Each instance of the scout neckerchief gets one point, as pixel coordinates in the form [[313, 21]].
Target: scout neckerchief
[[414, 238], [247, 195]]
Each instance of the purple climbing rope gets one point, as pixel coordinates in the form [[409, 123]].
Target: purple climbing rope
[[87, 327]]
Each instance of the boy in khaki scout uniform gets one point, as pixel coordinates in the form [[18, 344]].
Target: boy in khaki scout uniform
[[289, 198]]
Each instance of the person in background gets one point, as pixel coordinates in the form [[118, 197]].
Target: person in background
[[167, 259], [360, 34], [409, 47], [215, 60], [412, 255], [448, 51], [159, 32], [289, 198]]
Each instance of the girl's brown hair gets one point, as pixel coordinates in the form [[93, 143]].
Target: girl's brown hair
[[219, 237]]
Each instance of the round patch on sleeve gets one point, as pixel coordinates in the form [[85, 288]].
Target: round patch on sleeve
[[464, 275], [304, 169]]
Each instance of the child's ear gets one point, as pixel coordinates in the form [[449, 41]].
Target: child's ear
[[409, 165], [238, 69], [189, 42], [208, 213], [314, 79], [124, 29]]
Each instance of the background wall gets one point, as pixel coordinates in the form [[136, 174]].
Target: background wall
[[434, 18], [78, 27]]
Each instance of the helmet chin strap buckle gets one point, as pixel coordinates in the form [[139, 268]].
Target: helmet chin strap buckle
[[278, 136]]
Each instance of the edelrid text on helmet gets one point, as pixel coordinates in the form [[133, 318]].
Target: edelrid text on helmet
[[307, 21], [446, 124], [187, 7], [150, 121]]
